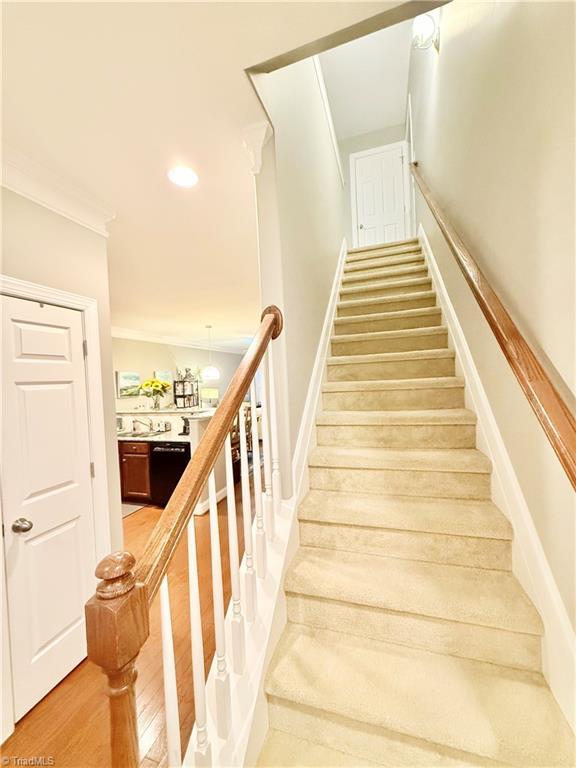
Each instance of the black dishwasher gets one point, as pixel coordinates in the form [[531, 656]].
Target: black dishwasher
[[167, 463]]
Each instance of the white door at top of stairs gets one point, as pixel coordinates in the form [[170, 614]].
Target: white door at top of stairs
[[378, 194]]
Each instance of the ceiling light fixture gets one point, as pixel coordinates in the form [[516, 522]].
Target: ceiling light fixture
[[210, 372], [183, 176], [425, 31]]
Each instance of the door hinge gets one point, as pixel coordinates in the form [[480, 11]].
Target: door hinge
[[92, 470], [85, 347]]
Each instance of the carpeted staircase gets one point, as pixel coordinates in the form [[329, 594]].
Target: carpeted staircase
[[409, 641]]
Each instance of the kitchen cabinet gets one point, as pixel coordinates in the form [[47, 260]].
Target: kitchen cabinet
[[135, 471]]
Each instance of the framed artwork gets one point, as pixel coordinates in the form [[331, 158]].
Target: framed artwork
[[127, 384], [164, 376]]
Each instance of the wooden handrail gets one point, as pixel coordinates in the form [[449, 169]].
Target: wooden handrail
[[117, 616], [552, 411]]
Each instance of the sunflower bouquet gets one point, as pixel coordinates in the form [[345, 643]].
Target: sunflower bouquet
[[156, 389]]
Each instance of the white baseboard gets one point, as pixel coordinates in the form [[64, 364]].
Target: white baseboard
[[306, 433], [204, 506], [529, 562]]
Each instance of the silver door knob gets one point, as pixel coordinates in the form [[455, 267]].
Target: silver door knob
[[361, 226], [22, 525]]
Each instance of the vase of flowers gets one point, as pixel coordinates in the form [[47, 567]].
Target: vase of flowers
[[155, 389]]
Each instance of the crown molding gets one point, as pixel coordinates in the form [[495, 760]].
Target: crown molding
[[175, 341], [39, 184]]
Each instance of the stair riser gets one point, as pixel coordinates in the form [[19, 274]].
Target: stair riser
[[454, 485], [394, 399], [362, 740], [474, 552], [469, 641], [397, 435], [391, 251], [385, 290], [366, 276], [397, 369], [408, 343], [414, 302], [403, 323], [383, 262]]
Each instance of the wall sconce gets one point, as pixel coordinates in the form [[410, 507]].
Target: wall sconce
[[426, 32]]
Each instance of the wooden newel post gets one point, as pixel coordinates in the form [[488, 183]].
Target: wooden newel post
[[116, 629]]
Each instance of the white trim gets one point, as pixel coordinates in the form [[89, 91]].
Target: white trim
[[409, 137], [353, 207], [172, 341], [204, 506], [40, 185], [306, 433], [328, 113], [529, 562], [22, 289]]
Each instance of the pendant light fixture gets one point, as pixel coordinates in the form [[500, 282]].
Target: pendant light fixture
[[210, 372]]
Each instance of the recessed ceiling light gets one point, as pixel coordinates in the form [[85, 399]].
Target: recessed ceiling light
[[183, 176]]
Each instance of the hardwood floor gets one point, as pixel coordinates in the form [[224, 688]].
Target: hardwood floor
[[70, 724]]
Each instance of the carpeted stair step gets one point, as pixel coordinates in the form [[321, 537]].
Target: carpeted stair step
[[367, 306], [383, 288], [375, 342], [343, 683], [454, 473], [389, 321], [401, 271], [443, 428], [394, 394], [378, 262], [284, 750], [391, 365]]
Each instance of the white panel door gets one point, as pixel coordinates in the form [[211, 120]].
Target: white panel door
[[46, 482], [379, 196]]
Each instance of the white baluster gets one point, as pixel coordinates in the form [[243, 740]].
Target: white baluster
[[202, 751], [222, 679], [276, 477], [257, 475], [238, 647], [170, 687], [249, 573], [267, 498]]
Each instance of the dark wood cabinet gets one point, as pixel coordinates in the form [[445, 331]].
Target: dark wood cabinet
[[134, 471]]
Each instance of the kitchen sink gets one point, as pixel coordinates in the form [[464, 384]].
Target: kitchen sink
[[142, 434]]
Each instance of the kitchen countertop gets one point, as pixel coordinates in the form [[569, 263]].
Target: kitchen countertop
[[163, 437]]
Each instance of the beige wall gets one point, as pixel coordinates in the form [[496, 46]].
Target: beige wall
[[493, 118], [145, 357], [310, 200], [379, 138], [45, 248]]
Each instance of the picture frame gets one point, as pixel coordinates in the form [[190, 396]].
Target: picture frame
[[127, 384]]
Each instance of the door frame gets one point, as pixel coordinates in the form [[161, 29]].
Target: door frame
[[21, 289], [403, 145]]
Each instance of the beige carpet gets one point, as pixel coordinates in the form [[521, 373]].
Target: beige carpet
[[409, 641]]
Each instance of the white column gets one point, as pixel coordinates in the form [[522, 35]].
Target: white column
[[170, 687], [267, 497], [276, 477], [257, 475], [238, 647], [202, 751], [222, 679], [249, 572]]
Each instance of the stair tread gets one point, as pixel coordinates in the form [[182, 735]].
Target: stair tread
[[382, 246], [487, 598], [425, 330], [461, 704], [413, 417], [372, 300], [385, 285], [383, 261], [454, 517], [374, 273], [397, 314], [372, 357], [283, 750], [433, 460], [437, 382]]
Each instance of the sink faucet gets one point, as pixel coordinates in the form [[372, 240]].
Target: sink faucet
[[147, 423]]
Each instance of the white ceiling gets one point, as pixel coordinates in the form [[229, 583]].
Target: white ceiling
[[110, 95], [367, 81]]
